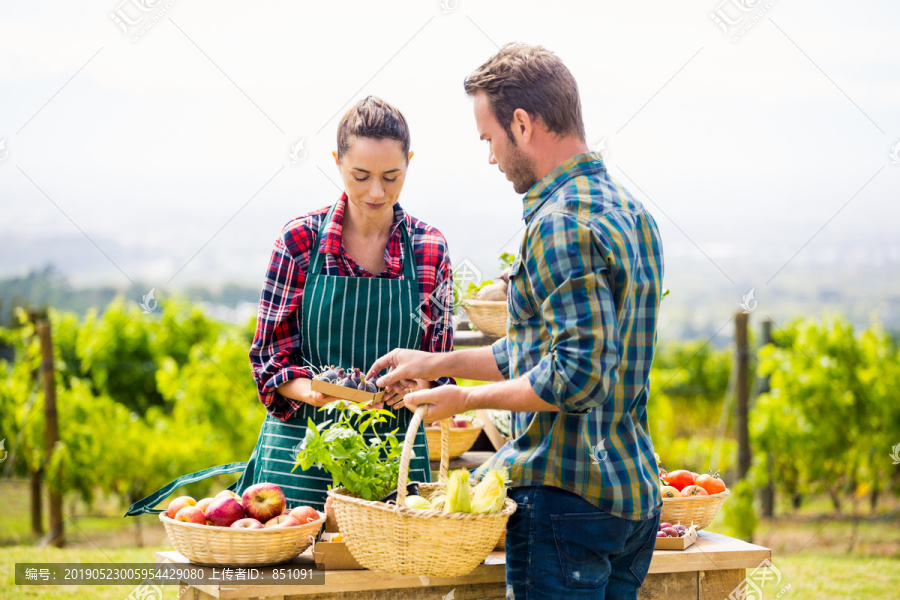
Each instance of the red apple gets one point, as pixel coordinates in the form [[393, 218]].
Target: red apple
[[305, 514], [204, 504], [247, 523], [224, 511], [263, 501], [282, 521], [179, 503], [230, 494], [191, 514]]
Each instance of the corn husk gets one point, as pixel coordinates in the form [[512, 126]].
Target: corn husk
[[489, 494], [418, 502], [458, 494]]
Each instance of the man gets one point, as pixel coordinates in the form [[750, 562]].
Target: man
[[583, 301]]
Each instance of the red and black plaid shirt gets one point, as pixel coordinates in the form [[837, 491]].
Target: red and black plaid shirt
[[277, 341]]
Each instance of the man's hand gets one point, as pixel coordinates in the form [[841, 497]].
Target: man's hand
[[445, 401], [301, 389], [405, 364]]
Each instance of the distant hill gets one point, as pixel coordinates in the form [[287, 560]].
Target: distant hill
[[48, 287]]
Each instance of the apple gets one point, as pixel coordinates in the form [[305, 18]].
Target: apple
[[191, 514], [282, 521], [230, 494], [179, 503], [224, 511], [247, 523], [459, 422], [203, 504], [263, 501], [305, 514]]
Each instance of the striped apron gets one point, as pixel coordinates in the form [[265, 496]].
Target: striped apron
[[348, 322]]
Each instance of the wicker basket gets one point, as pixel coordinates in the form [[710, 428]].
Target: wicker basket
[[699, 510], [397, 539], [461, 439], [223, 546], [501, 543], [488, 316]]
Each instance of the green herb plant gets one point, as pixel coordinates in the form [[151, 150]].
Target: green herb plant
[[369, 470]]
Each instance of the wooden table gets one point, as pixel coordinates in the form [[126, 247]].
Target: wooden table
[[711, 569]]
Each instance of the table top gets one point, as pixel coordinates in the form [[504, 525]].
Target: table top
[[711, 552]]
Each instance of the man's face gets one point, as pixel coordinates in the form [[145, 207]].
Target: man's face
[[511, 160]]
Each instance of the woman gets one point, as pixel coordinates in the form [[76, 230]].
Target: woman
[[346, 284]]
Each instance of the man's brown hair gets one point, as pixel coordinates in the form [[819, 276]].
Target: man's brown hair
[[372, 117], [534, 79]]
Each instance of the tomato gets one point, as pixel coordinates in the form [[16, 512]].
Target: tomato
[[711, 483], [680, 479], [670, 492], [693, 490]]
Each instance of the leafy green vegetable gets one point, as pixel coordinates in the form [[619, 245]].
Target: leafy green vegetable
[[369, 470], [507, 260]]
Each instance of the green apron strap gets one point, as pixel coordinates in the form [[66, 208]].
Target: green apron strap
[[145, 505], [317, 260]]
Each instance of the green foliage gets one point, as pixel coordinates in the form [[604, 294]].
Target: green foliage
[[141, 398], [338, 446], [688, 383], [831, 415], [738, 515]]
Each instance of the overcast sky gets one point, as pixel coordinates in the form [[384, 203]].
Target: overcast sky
[[153, 142]]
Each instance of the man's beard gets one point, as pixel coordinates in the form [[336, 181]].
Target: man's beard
[[520, 170]]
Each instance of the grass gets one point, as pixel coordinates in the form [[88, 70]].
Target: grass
[[820, 555]]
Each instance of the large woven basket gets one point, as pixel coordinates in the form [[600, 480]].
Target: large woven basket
[[488, 316], [398, 539], [223, 546], [699, 510], [461, 439]]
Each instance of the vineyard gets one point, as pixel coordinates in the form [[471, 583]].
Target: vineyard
[[145, 397]]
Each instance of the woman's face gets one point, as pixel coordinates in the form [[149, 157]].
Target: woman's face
[[373, 171]]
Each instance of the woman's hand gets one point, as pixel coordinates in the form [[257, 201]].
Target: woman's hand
[[301, 389], [396, 392]]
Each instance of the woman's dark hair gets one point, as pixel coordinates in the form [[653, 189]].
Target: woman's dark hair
[[372, 117]]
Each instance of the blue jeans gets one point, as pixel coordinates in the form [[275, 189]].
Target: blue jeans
[[559, 545]]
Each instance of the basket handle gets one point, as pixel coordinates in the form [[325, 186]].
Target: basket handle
[[408, 442]]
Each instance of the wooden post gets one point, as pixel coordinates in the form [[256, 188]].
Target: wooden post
[[37, 515], [57, 536], [742, 393], [768, 492]]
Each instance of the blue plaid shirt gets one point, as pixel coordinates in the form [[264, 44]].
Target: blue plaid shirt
[[583, 301]]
